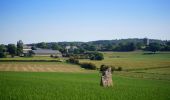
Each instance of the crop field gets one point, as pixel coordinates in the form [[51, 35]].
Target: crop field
[[40, 67], [144, 77], [134, 60], [78, 86]]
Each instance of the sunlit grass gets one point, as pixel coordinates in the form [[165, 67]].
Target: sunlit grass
[[79, 86], [133, 60]]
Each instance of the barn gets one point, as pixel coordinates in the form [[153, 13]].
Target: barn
[[47, 52]]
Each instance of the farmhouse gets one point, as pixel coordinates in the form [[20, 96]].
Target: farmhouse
[[26, 50], [70, 48], [47, 52]]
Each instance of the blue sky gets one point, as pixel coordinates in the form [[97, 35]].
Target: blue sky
[[83, 20]]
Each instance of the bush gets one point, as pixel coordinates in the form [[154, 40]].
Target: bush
[[96, 56], [2, 55], [88, 66], [73, 60], [105, 67], [54, 56], [119, 69]]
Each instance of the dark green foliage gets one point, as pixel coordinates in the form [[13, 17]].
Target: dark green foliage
[[139, 45], [153, 47], [96, 56], [88, 47], [12, 49], [72, 60], [119, 69], [33, 48], [125, 47], [30, 53], [55, 46], [2, 51], [19, 48], [2, 54], [54, 56], [104, 67], [78, 51], [88, 66], [42, 45], [104, 45]]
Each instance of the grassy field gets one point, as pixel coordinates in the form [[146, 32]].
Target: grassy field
[[134, 60], [78, 86], [144, 77]]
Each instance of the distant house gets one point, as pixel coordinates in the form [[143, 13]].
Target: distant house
[[70, 48], [26, 49], [47, 52]]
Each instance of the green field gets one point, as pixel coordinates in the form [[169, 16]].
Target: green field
[[78, 86], [144, 77], [134, 60]]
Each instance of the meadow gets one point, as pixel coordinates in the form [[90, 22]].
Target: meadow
[[78, 86], [144, 77], [134, 60]]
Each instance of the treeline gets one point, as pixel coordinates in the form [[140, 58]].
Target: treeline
[[108, 45], [11, 49], [84, 47]]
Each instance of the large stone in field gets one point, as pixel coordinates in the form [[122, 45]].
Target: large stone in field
[[106, 78]]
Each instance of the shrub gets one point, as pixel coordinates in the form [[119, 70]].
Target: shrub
[[96, 56], [54, 56], [2, 55], [88, 66], [51, 56], [104, 67], [73, 60], [119, 69]]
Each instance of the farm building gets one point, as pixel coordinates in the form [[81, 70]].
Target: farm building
[[70, 48], [47, 52], [26, 50]]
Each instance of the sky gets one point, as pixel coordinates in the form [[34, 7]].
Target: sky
[[35, 21]]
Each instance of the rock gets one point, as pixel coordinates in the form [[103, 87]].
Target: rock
[[106, 78]]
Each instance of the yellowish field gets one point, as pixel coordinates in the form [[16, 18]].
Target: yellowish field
[[40, 67]]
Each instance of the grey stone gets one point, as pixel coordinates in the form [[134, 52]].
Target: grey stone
[[106, 78]]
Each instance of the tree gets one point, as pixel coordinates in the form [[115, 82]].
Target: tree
[[42, 45], [139, 45], [30, 53], [154, 47], [108, 47], [96, 56], [12, 49], [19, 48], [130, 46], [33, 48], [2, 51], [55, 46]]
